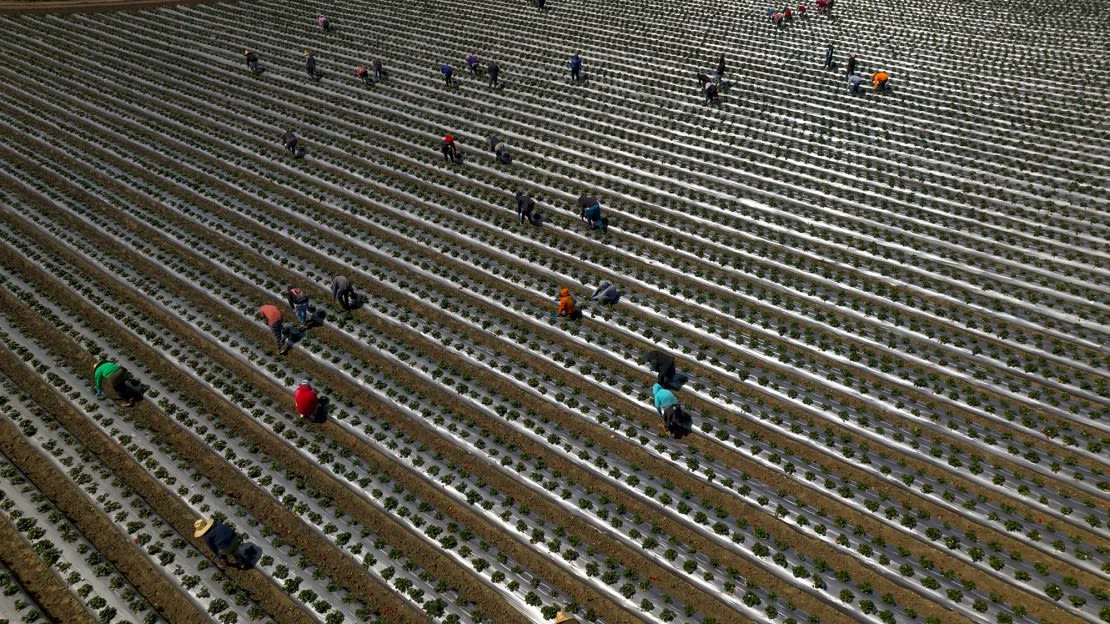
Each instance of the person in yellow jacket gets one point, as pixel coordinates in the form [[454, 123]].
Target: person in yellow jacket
[[879, 80]]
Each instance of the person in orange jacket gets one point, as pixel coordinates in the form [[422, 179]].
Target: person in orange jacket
[[566, 303], [879, 80]]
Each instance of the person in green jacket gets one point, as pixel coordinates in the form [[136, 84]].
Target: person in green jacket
[[119, 384]]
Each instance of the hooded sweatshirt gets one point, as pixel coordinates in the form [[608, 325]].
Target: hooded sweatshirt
[[305, 399], [102, 372], [566, 302], [663, 398], [606, 292]]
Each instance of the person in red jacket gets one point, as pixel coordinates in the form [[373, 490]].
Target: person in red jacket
[[308, 403]]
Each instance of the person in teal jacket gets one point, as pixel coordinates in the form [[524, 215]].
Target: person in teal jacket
[[666, 403], [119, 384]]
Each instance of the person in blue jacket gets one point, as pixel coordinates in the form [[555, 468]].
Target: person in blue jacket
[[575, 66], [220, 539], [666, 403]]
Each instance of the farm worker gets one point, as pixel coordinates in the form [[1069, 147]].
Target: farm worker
[[666, 404], [776, 17], [525, 207], [500, 150], [566, 303], [879, 80], [472, 63], [712, 95], [220, 539], [720, 70], [289, 139], [606, 292], [343, 292], [447, 72], [310, 65], [802, 10], [829, 57], [852, 63], [591, 213], [120, 386], [272, 316], [853, 83], [449, 149], [702, 80], [306, 400], [788, 14], [362, 74], [323, 23], [575, 65], [252, 60], [376, 65], [663, 366], [563, 618], [298, 300], [493, 71]]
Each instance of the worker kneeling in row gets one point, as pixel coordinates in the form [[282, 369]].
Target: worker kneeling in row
[[226, 544]]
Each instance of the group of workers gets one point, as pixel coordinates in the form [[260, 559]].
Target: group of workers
[[785, 15], [880, 80]]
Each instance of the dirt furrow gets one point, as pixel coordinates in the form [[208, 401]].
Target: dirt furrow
[[37, 579]]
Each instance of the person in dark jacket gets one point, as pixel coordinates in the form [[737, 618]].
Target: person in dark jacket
[[852, 63], [663, 366], [252, 60], [448, 73], [525, 208], [343, 292], [493, 71], [575, 65], [273, 318], [310, 65], [298, 300], [376, 65], [220, 539], [720, 70], [112, 380], [712, 95], [289, 140], [829, 57], [607, 292]]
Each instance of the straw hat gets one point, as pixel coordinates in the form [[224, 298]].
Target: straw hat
[[561, 617], [201, 526], [306, 52]]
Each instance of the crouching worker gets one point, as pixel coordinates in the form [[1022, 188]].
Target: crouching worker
[[252, 60], [589, 210], [669, 409], [663, 367], [566, 305], [362, 74], [308, 403], [112, 380], [526, 208], [289, 140], [880, 81], [225, 543], [344, 293], [500, 150], [606, 292]]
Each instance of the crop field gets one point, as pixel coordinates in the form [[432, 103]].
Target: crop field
[[890, 313]]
